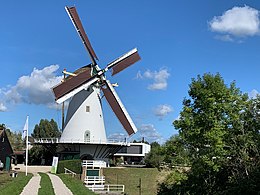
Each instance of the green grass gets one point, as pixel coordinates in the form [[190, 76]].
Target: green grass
[[130, 177], [46, 185], [13, 185], [75, 185]]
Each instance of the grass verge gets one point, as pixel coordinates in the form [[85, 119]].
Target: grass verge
[[75, 185], [13, 185], [46, 185], [130, 177]]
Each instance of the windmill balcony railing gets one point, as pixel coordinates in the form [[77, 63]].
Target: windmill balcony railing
[[58, 140]]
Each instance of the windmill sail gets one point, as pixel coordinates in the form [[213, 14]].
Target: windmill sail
[[72, 12], [72, 83], [124, 61], [118, 108]]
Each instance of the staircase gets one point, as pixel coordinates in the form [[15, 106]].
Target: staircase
[[94, 179]]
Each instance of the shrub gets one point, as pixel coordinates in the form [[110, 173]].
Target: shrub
[[73, 165]]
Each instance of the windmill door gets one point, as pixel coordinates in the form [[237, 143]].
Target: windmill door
[[87, 136]]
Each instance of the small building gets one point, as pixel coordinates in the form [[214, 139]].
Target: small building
[[134, 153], [6, 150]]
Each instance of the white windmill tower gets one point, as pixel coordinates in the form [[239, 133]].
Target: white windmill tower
[[84, 122]]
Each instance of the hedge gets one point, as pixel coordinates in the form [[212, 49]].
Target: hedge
[[73, 165]]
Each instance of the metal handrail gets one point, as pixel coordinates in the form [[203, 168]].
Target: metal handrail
[[67, 171]]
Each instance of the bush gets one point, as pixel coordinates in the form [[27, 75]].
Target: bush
[[73, 165]]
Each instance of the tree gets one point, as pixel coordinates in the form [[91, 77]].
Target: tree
[[220, 127], [46, 129], [40, 154], [155, 157], [175, 152]]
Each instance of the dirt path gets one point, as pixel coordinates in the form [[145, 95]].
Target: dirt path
[[59, 187], [33, 186]]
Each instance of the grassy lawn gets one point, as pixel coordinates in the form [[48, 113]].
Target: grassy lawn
[[46, 185], [13, 185], [130, 177], [75, 185]]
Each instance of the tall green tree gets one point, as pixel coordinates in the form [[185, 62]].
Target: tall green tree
[[175, 152], [42, 154], [46, 129], [220, 127]]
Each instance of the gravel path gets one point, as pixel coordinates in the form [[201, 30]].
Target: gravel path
[[33, 186], [59, 187]]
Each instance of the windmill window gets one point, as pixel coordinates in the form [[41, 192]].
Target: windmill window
[[87, 108]]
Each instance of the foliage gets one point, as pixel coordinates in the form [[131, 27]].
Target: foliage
[[73, 165], [44, 154], [173, 183], [46, 185], [155, 157], [13, 185], [75, 185], [219, 125], [46, 129], [175, 152]]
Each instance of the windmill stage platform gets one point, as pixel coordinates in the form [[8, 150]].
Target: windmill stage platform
[[76, 149]]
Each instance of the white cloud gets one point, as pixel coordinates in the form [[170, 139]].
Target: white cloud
[[162, 110], [34, 88], [149, 133], [159, 78], [237, 22], [253, 93], [117, 136], [2, 107], [226, 38]]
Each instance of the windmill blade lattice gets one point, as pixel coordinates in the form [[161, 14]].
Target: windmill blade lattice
[[92, 76]]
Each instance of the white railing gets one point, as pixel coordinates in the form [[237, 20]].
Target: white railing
[[57, 140], [106, 188], [94, 180], [94, 163], [47, 140], [67, 171]]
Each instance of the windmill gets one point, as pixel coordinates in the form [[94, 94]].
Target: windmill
[[84, 120]]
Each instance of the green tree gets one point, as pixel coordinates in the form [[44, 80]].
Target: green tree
[[220, 127], [175, 152], [155, 157], [46, 129], [42, 154]]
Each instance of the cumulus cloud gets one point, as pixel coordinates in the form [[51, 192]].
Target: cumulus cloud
[[34, 88], [236, 22], [159, 78], [117, 136], [253, 93], [149, 132], [162, 110], [2, 107]]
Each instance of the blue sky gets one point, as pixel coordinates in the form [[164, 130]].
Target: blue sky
[[177, 40]]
